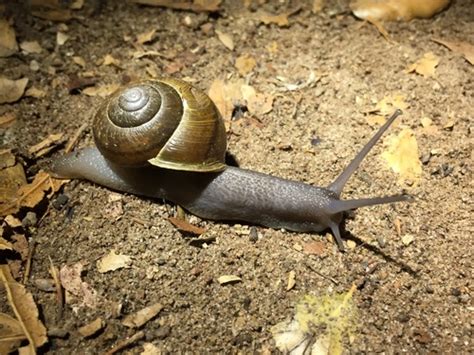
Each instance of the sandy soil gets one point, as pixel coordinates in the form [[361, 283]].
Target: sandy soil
[[414, 298]]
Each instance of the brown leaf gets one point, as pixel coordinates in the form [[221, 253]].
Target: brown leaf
[[11, 334], [7, 159], [8, 44], [226, 39], [110, 60], [20, 245], [464, 48], [51, 140], [11, 179], [137, 319], [257, 103], [71, 281], [280, 20], [24, 308], [228, 279], [91, 328], [184, 226], [102, 91], [35, 92], [196, 5], [425, 66], [58, 15], [5, 244], [31, 194], [245, 64], [402, 155], [396, 10], [112, 261], [146, 37], [31, 47], [314, 248], [7, 119], [12, 90], [225, 95]]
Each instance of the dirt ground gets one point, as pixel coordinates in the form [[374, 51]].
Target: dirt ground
[[412, 297]]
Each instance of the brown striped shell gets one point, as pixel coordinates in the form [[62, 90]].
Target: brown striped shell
[[165, 122]]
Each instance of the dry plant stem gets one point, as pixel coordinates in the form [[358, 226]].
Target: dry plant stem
[[53, 270], [124, 343], [72, 143], [4, 271], [31, 250]]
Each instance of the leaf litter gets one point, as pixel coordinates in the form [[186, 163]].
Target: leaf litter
[[425, 66], [113, 261], [320, 325]]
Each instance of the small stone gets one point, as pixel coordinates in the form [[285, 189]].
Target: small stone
[[162, 332], [425, 158], [382, 242], [29, 220], [351, 244], [60, 201], [407, 239], [253, 235]]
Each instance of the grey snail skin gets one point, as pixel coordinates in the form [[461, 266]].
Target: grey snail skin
[[165, 139]]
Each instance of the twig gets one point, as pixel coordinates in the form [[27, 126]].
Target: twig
[[124, 343], [72, 142], [31, 250]]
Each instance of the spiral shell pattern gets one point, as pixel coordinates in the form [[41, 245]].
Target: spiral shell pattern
[[166, 122]]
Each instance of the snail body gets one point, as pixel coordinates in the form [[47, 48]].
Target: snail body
[[201, 182]]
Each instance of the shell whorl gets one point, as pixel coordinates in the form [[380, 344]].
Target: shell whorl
[[166, 122]]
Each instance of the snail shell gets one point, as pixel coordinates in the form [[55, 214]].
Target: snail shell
[[167, 123]]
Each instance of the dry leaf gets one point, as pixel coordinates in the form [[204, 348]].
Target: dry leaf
[[291, 280], [317, 6], [7, 159], [319, 325], [245, 64], [31, 194], [407, 239], [402, 155], [136, 320], [79, 61], [7, 119], [31, 47], [91, 328], [24, 308], [184, 226], [150, 349], [396, 10], [61, 38], [102, 91], [112, 261], [20, 245], [280, 20], [228, 279], [314, 248], [8, 45], [12, 90], [146, 37], [71, 281], [11, 333], [35, 92], [390, 103], [58, 15], [225, 95], [257, 103], [196, 5], [11, 179], [225, 39], [5, 245], [76, 5], [425, 66], [109, 60], [464, 48]]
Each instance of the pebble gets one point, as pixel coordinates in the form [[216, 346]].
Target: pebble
[[29, 220], [60, 201], [253, 235]]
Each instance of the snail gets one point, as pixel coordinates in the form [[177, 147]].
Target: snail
[[165, 139]]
